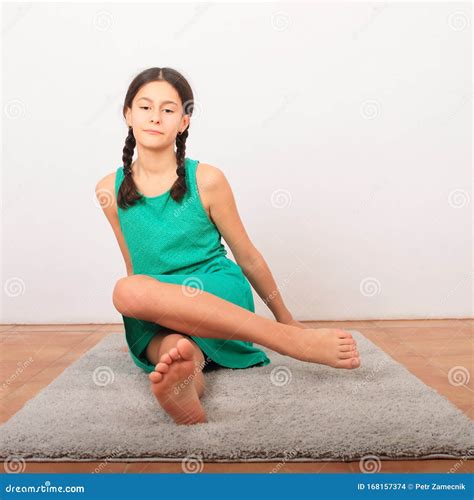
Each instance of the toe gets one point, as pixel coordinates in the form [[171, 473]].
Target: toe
[[346, 348], [348, 363], [355, 363], [155, 376], [162, 367], [344, 334], [166, 358], [174, 353], [346, 341], [346, 355], [185, 348]]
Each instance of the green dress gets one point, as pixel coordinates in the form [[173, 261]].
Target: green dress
[[176, 242]]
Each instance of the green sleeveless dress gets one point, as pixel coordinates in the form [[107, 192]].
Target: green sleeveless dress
[[176, 242]]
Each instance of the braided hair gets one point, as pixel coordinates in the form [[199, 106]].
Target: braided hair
[[128, 194]]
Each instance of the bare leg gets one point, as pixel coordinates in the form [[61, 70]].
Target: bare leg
[[206, 315], [178, 381]]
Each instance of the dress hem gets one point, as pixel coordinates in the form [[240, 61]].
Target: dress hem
[[149, 367]]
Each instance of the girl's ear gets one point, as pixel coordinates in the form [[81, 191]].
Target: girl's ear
[[186, 122], [128, 113]]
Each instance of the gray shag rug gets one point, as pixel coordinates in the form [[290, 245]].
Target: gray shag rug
[[101, 407]]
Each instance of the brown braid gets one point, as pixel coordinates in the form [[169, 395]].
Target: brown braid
[[127, 155], [128, 193], [179, 187]]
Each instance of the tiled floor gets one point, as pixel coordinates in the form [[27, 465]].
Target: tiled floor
[[428, 348]]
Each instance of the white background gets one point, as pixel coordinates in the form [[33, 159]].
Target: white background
[[344, 129]]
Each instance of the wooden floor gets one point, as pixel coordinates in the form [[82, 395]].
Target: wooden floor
[[428, 348]]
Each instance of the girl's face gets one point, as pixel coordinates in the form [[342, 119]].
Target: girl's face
[[157, 106]]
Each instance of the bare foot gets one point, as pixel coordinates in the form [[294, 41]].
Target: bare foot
[[172, 383], [328, 346]]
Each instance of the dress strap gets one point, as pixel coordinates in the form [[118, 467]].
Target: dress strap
[[191, 167]]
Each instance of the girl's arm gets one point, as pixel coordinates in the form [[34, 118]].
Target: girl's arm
[[261, 278], [105, 193], [224, 213]]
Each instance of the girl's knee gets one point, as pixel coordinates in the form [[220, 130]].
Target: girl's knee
[[128, 291]]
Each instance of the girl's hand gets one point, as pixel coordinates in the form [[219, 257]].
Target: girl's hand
[[294, 322]]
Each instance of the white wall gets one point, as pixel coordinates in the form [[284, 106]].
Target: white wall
[[359, 112]]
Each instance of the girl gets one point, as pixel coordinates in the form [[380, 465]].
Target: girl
[[184, 299]]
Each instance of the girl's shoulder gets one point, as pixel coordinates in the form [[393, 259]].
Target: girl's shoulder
[[208, 176], [209, 179], [105, 191], [107, 183]]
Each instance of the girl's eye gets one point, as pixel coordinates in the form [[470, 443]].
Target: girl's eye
[[147, 107]]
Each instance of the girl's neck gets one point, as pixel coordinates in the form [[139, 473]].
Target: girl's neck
[[148, 165]]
